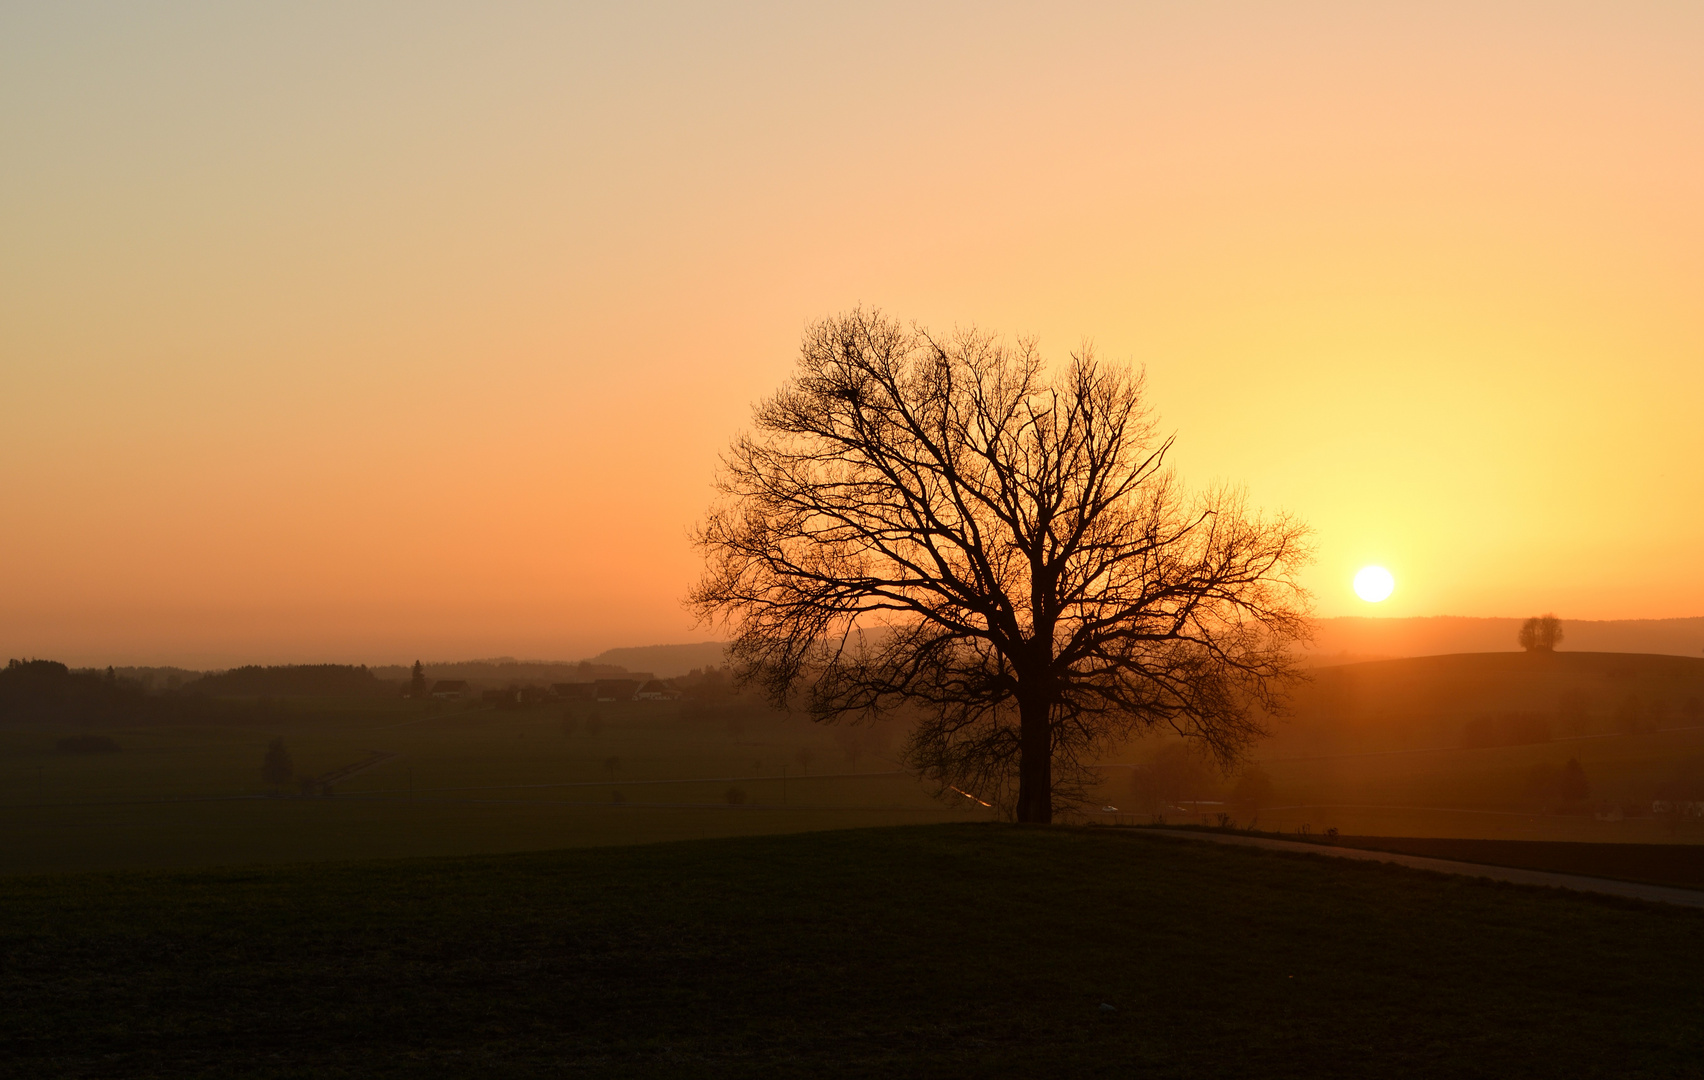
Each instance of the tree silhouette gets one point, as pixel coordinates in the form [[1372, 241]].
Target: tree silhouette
[[1541, 633], [277, 767], [946, 527], [417, 681]]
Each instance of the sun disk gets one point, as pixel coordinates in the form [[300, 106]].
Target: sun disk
[[1374, 583]]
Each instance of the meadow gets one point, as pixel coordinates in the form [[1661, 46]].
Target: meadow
[[1391, 749], [1469, 745], [464, 779], [957, 950]]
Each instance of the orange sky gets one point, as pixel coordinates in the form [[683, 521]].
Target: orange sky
[[362, 335]]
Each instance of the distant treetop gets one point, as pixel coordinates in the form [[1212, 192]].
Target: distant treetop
[[1541, 633]]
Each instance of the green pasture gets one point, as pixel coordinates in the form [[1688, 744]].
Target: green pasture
[[463, 781]]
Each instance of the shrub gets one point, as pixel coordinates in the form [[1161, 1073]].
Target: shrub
[[277, 768]]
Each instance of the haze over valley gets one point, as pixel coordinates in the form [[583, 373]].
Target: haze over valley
[[1046, 540]]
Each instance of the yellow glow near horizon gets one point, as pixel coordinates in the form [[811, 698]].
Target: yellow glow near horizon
[[1374, 584], [366, 333]]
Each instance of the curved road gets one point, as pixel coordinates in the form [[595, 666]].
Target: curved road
[[1660, 894]]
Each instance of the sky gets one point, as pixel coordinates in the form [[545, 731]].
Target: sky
[[358, 332]]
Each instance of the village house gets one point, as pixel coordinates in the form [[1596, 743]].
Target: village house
[[656, 690], [575, 691], [449, 689]]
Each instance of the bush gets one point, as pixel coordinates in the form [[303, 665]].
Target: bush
[[277, 768], [1548, 783]]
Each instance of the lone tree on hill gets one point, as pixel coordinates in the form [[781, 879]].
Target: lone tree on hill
[[1541, 633], [947, 527]]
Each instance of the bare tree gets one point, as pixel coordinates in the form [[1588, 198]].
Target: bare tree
[[949, 527], [1541, 633]]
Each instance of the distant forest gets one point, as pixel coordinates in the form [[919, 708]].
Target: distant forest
[[49, 691], [507, 671], [294, 680], [33, 691]]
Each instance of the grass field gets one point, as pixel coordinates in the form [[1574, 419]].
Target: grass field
[[463, 781], [967, 950], [1680, 865], [1481, 792], [1458, 746], [1373, 749]]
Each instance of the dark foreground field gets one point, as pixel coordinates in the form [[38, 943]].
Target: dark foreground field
[[1679, 865], [959, 950]]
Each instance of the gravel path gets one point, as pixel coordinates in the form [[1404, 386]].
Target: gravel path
[[1661, 894]]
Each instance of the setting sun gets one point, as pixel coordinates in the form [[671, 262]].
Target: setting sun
[[506, 459], [1374, 583]]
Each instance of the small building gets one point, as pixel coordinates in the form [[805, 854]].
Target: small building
[[575, 691], [656, 690], [449, 689]]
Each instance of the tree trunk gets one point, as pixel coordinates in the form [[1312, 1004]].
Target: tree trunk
[[1035, 761]]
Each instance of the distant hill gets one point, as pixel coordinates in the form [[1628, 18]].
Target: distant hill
[[507, 671], [666, 661], [1499, 698], [653, 661], [1353, 637]]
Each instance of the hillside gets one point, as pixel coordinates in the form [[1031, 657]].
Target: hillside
[[1353, 637], [1469, 745], [935, 951], [667, 661], [1497, 698]]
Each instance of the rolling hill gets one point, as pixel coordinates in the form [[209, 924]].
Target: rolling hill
[[1367, 638], [1497, 698]]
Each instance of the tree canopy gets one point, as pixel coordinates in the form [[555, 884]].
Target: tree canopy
[[1541, 633], [950, 527]]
